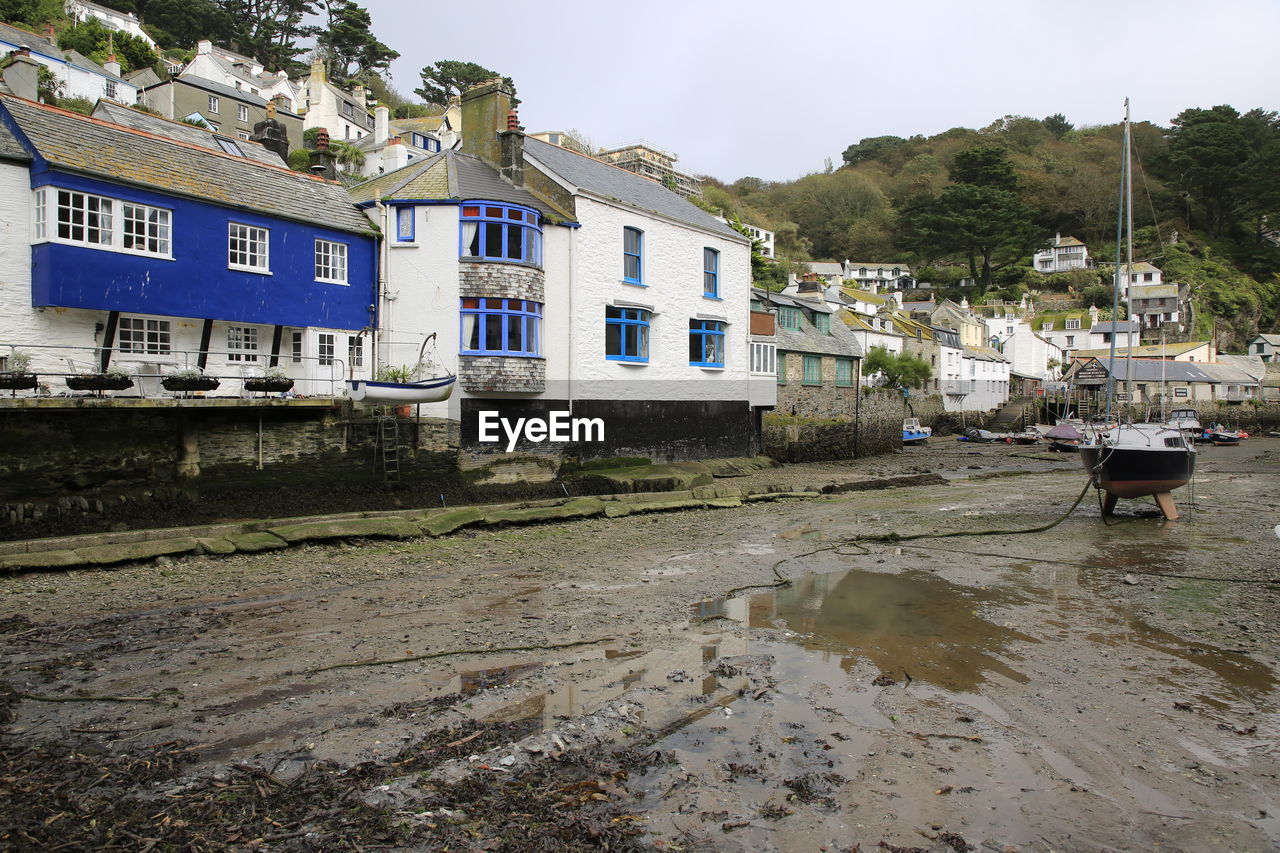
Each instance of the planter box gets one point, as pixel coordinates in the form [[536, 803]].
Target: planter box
[[182, 383], [274, 384], [99, 382], [18, 381]]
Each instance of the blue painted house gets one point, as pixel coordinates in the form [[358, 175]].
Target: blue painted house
[[165, 246]]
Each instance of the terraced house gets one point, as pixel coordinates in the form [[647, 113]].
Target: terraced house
[[555, 282], [121, 245]]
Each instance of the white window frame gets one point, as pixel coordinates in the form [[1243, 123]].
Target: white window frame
[[326, 353], [355, 351], [331, 262], [113, 217], [242, 112], [242, 343], [149, 336], [1072, 324], [214, 104], [253, 254]]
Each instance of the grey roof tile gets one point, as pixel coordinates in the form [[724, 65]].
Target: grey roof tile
[[24, 38], [114, 152], [188, 134], [623, 186], [10, 147]]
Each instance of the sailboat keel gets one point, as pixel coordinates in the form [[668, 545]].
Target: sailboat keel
[[1164, 500]]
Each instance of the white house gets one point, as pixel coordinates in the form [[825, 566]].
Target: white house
[[1140, 273], [988, 374], [878, 276], [765, 238], [77, 75], [122, 22], [1061, 255], [1029, 354], [1083, 330], [1265, 347], [554, 282], [344, 114], [395, 143], [244, 73]]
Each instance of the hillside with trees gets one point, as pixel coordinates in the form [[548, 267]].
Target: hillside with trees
[[977, 203]]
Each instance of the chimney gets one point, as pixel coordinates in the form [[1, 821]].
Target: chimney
[[50, 33], [395, 155], [272, 134], [22, 74], [322, 159], [204, 46], [381, 125], [112, 65], [484, 115], [513, 150]]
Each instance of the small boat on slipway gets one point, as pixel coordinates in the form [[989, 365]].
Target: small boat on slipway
[[913, 433], [1064, 438]]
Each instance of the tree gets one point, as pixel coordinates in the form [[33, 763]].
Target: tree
[[350, 51], [97, 42], [271, 30], [449, 78], [1058, 125], [872, 148], [182, 23], [896, 371], [984, 166]]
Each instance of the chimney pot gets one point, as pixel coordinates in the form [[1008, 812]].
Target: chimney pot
[[513, 119], [49, 32], [322, 139]]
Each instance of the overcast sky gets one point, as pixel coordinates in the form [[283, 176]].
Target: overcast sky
[[774, 89]]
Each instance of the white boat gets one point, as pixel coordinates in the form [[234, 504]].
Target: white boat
[[392, 393], [1128, 460], [1187, 420]]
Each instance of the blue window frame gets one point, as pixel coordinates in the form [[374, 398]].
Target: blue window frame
[[501, 232], [633, 255], [711, 273], [706, 343], [626, 334], [790, 318], [812, 370], [501, 327], [406, 227]]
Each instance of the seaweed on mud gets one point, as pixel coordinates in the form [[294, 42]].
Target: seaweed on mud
[[814, 788], [80, 795]]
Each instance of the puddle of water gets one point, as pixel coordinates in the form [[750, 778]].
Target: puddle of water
[[912, 624], [800, 531], [473, 681]]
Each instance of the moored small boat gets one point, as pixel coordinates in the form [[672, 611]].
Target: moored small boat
[[1135, 460], [913, 433], [427, 391]]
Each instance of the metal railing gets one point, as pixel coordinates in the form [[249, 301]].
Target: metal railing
[[53, 365]]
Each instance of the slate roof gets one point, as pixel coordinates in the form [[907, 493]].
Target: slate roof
[[113, 152], [225, 91], [1150, 351], [188, 134], [450, 175], [825, 268], [1153, 370], [10, 147], [1274, 340], [26, 38], [1250, 364], [620, 185], [903, 269], [1153, 291], [1106, 327]]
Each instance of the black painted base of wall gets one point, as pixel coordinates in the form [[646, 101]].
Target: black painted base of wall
[[662, 430]]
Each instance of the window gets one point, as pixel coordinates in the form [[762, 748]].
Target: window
[[42, 222], [763, 358], [710, 273], [138, 334], [633, 255], [111, 90], [706, 343], [331, 262], [242, 112], [1046, 327], [790, 318], [405, 232], [844, 372], [501, 232], [242, 343], [782, 368], [348, 110], [1071, 340], [247, 248], [146, 229], [295, 347], [823, 323], [1073, 323], [84, 218], [1147, 276], [212, 126], [812, 370], [626, 334], [244, 134], [355, 351], [228, 146], [501, 326], [213, 103], [324, 348]]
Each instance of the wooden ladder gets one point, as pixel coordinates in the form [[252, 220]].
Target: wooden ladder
[[389, 445]]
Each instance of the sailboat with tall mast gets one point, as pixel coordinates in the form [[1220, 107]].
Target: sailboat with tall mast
[[1133, 460]]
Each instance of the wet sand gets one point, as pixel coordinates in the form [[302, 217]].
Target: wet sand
[[1091, 687]]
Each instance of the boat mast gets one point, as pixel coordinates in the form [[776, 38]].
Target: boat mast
[[1115, 282], [1128, 197]]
